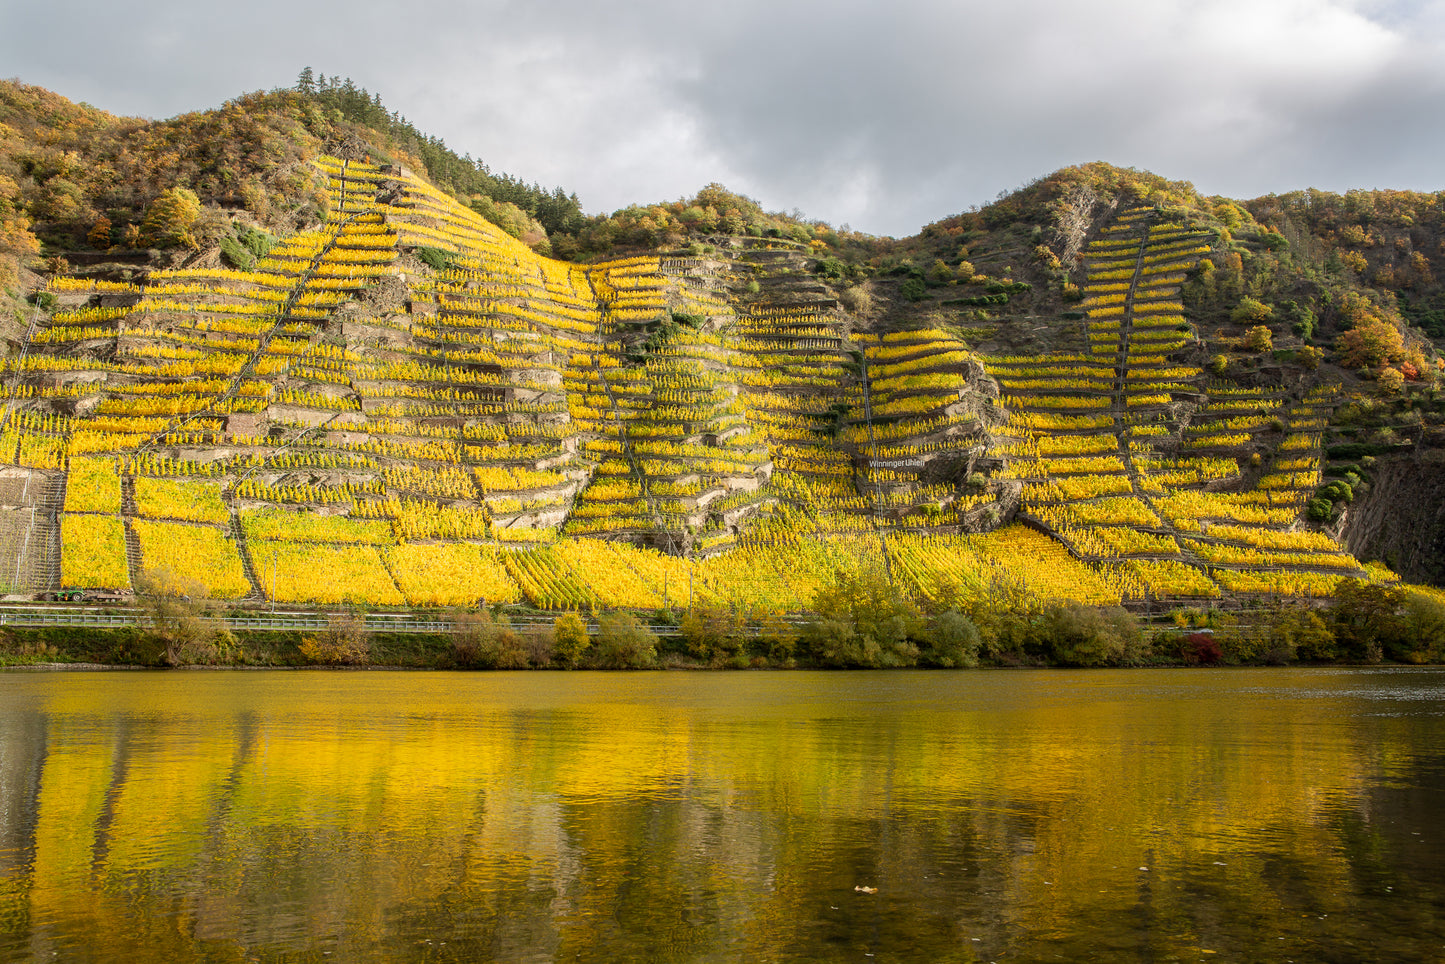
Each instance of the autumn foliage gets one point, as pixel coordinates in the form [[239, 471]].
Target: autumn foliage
[[1371, 345]]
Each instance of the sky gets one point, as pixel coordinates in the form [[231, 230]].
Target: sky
[[883, 116]]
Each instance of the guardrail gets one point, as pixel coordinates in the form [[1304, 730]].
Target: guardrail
[[114, 617], [117, 618], [57, 616]]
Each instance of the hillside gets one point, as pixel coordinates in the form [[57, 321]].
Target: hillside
[[1103, 388]]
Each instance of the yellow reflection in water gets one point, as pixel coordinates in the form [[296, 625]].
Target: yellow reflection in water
[[671, 817]]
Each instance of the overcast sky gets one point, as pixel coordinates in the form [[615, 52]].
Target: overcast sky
[[881, 115]]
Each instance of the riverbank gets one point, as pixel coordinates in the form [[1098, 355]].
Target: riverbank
[[860, 623], [134, 647], [607, 646]]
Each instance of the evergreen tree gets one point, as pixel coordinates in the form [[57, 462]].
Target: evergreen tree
[[557, 211]]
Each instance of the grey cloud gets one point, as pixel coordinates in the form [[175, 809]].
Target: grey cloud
[[883, 116]]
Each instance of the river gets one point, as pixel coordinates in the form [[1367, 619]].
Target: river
[[1149, 815]]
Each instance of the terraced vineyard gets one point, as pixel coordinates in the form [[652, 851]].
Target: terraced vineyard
[[1135, 464], [406, 406]]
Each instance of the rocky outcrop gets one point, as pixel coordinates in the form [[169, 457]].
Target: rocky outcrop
[[1400, 519]]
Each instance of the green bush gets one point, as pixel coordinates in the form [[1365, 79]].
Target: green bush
[[539, 644], [1301, 318], [435, 258], [344, 642], [1422, 638], [1338, 491], [1273, 241], [480, 642], [570, 638], [914, 289], [236, 254], [779, 637], [258, 242], [1007, 287], [1250, 311], [1307, 634], [623, 642], [1367, 619], [1355, 450], [713, 633], [951, 640], [1079, 635], [1279, 636], [173, 618], [982, 301], [862, 621]]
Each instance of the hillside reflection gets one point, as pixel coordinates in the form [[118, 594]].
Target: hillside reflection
[[1267, 815]]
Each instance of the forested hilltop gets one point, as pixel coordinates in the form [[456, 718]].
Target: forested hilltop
[[293, 349]]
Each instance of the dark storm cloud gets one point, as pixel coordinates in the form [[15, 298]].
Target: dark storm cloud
[[885, 116]]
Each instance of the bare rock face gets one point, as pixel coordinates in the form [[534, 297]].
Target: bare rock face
[[78, 406], [358, 331], [979, 381], [1401, 518], [389, 294], [245, 423], [312, 417], [350, 148]]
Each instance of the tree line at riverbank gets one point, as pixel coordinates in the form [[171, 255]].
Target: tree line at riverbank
[[860, 622]]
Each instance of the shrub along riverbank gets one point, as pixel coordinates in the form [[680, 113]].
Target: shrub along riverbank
[[860, 622]]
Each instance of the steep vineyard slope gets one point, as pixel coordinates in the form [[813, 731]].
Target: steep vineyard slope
[[388, 400], [1139, 462], [408, 406]]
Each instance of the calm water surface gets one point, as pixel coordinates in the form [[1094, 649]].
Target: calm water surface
[[1268, 815]]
